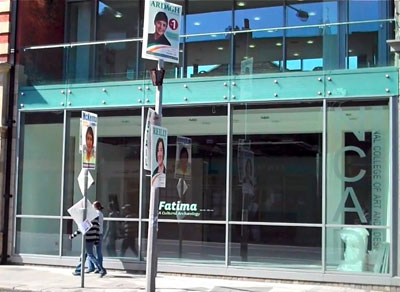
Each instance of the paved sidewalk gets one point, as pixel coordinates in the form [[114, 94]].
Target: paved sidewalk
[[56, 279]]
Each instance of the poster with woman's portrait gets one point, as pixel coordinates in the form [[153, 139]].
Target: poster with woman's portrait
[[159, 139], [89, 139], [183, 161]]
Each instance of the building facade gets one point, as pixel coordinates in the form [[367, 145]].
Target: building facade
[[291, 108]]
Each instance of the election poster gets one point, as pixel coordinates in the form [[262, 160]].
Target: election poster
[[152, 119], [89, 140], [159, 139], [183, 160], [161, 31]]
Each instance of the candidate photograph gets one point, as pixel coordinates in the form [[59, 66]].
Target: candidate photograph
[[160, 26]]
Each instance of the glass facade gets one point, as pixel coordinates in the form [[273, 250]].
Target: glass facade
[[227, 38], [275, 213], [299, 182]]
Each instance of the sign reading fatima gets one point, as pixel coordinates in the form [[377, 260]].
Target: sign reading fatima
[[89, 139], [159, 139], [162, 21]]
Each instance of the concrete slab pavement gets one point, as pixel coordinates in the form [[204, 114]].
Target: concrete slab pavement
[[59, 279]]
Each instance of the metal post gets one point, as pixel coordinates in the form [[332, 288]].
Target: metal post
[[83, 250], [151, 264]]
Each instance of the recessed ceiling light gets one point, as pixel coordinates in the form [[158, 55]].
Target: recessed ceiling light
[[310, 42], [296, 54], [241, 4], [181, 51], [350, 51], [312, 13], [220, 48], [118, 14], [257, 18], [278, 44], [213, 35], [252, 46], [245, 57], [196, 23]]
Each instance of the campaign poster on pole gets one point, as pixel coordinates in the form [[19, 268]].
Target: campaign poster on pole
[[183, 160], [248, 171], [159, 140], [152, 119], [161, 31], [89, 140]]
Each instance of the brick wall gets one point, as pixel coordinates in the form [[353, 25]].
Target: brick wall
[[5, 6]]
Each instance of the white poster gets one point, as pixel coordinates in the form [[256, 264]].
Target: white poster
[[76, 212], [161, 31], [89, 139], [152, 119], [159, 139], [183, 160]]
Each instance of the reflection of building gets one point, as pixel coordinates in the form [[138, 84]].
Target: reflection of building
[[318, 109]]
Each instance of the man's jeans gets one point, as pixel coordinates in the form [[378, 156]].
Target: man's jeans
[[90, 256], [99, 253]]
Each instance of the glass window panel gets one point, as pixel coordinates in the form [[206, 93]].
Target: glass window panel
[[42, 67], [314, 12], [118, 163], [358, 163], [368, 10], [117, 19], [257, 14], [304, 49], [40, 166], [216, 16], [189, 243], [276, 247], [277, 163], [257, 54], [37, 236], [207, 55], [206, 189], [119, 239], [358, 249]]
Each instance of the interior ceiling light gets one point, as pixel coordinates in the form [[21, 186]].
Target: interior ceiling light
[[296, 54], [241, 4], [118, 14], [257, 18], [310, 42], [350, 51], [196, 23], [220, 48], [278, 44], [213, 35], [252, 46], [312, 13]]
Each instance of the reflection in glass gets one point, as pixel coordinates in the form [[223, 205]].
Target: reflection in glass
[[37, 236], [358, 163], [277, 247], [203, 195], [40, 156], [281, 149], [118, 164], [192, 243], [356, 249]]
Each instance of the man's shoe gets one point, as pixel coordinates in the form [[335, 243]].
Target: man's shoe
[[103, 273], [90, 271], [76, 273], [96, 271]]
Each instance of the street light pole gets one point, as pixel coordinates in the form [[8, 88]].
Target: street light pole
[[152, 257]]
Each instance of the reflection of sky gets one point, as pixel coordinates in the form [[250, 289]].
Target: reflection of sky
[[270, 17]]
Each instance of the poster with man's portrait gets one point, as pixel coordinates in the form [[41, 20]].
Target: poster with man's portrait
[[89, 139], [161, 31], [159, 140], [183, 160]]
